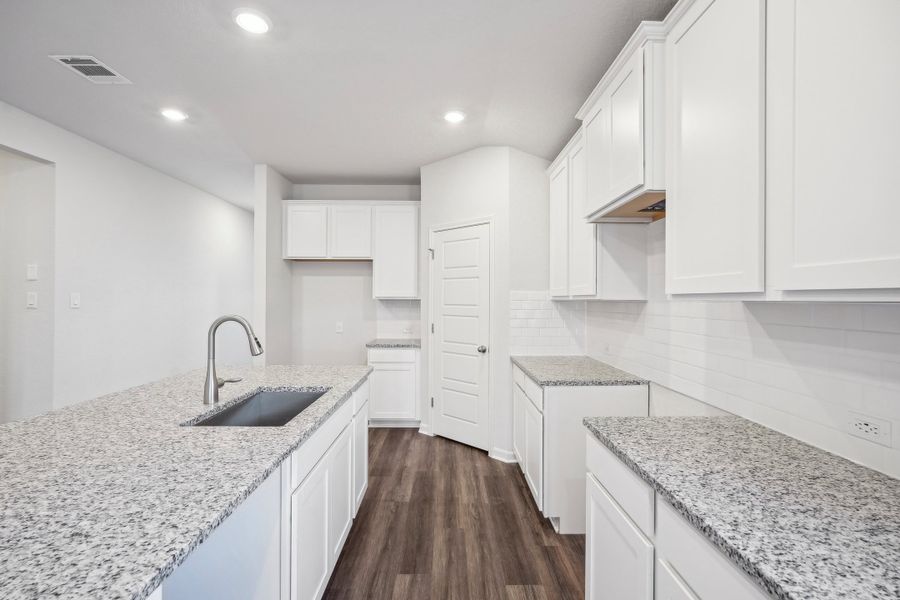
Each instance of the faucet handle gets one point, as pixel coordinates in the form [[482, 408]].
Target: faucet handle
[[222, 381]]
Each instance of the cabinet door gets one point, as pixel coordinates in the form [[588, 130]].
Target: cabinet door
[[618, 557], [559, 231], [305, 231], [669, 586], [310, 548], [715, 181], [596, 141], [582, 235], [626, 129], [360, 456], [395, 264], [519, 424], [832, 149], [534, 451], [340, 493], [350, 231], [393, 391]]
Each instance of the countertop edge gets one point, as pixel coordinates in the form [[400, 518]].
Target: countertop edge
[[202, 536], [545, 382], [731, 553], [411, 343]]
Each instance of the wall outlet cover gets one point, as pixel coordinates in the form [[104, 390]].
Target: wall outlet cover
[[31, 272], [869, 428]]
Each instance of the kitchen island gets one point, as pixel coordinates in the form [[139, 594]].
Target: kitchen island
[[106, 498]]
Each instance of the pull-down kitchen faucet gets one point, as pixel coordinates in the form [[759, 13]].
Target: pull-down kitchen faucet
[[212, 385]]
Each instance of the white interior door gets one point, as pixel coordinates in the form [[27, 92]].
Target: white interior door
[[460, 295]]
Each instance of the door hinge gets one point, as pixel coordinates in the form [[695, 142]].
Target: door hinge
[[432, 403], [432, 328], [431, 251]]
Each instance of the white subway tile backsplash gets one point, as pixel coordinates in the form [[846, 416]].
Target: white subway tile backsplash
[[795, 367], [539, 325]]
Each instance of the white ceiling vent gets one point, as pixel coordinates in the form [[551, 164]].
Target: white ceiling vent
[[90, 68]]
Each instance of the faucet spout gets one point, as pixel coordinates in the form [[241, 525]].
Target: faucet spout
[[211, 386]]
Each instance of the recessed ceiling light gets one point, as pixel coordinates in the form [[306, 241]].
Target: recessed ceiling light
[[455, 116], [173, 114], [251, 20]]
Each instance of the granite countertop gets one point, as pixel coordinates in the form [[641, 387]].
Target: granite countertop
[[395, 343], [803, 523], [573, 370], [105, 498]]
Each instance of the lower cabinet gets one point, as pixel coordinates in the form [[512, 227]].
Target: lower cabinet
[[394, 383], [360, 455], [618, 557], [310, 548], [548, 440], [638, 547]]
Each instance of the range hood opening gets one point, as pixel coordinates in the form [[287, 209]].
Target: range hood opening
[[648, 207]]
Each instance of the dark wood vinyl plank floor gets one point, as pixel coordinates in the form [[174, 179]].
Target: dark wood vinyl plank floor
[[441, 520]]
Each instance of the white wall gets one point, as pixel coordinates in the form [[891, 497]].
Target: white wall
[[795, 367], [155, 261], [26, 335], [479, 184], [272, 302]]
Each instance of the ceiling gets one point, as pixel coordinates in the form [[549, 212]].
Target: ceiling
[[339, 91]]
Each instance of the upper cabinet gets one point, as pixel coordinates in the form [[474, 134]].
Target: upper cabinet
[[338, 230], [395, 266], [715, 201], [832, 158], [624, 132], [606, 261], [385, 232]]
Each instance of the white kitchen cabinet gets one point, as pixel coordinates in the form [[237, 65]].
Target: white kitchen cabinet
[[305, 231], [548, 439], [360, 455], [395, 268], [715, 53], [310, 551], [349, 231], [393, 387], [559, 230], [519, 401], [341, 493], [831, 144], [669, 585], [618, 556], [624, 129], [606, 261], [534, 452]]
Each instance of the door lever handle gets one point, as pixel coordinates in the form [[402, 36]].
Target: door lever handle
[[482, 349]]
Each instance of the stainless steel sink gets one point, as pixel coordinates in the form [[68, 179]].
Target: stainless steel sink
[[263, 409]]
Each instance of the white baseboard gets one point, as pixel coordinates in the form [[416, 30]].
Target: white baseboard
[[425, 429], [394, 423], [506, 456]]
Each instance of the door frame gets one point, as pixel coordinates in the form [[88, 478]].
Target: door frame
[[489, 221]]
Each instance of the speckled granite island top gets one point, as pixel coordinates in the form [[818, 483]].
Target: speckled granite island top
[[105, 498], [573, 370], [803, 523], [395, 343]]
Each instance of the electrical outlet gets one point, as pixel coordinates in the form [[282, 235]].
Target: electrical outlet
[[869, 428], [339, 327]]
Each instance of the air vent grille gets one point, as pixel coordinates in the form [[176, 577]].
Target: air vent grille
[[91, 69]]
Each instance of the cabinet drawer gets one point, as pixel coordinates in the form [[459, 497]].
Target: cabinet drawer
[[360, 396], [307, 455], [394, 355], [535, 393], [704, 568], [518, 376], [629, 491]]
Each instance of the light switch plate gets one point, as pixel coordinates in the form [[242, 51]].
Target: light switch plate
[[74, 300], [339, 327], [31, 300], [31, 272]]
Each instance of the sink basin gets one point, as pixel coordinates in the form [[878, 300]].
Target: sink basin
[[263, 409]]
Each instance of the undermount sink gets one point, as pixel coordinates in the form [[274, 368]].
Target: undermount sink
[[263, 409]]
